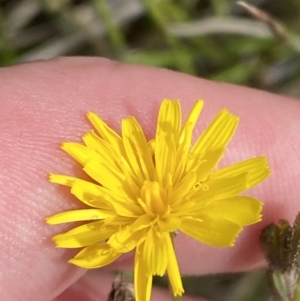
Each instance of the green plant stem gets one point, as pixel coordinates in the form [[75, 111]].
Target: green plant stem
[[221, 8], [65, 21], [159, 18], [8, 54], [115, 34]]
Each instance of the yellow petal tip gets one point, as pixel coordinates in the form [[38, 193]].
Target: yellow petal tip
[[48, 220], [51, 178]]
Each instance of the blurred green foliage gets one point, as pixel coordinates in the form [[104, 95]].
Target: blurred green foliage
[[214, 39]]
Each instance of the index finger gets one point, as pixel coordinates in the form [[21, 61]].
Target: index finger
[[44, 104]]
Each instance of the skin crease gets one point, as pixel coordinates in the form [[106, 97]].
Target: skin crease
[[44, 103]]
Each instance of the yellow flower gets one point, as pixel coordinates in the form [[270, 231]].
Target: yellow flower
[[143, 191]]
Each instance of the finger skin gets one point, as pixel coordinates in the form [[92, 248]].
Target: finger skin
[[45, 103]]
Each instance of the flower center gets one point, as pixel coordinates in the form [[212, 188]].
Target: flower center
[[155, 199]]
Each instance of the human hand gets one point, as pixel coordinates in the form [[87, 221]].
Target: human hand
[[45, 103]]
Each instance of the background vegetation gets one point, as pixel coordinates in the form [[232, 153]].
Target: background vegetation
[[214, 39]]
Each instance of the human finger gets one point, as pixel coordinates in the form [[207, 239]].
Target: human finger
[[44, 104]]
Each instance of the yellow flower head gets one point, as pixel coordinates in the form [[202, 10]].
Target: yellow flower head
[[143, 191]]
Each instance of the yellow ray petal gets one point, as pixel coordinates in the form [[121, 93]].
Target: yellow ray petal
[[151, 146], [167, 132], [62, 179], [107, 133], [105, 174], [142, 222], [173, 270], [211, 231], [137, 149], [119, 222], [111, 178], [95, 256], [87, 192], [208, 163], [183, 187], [127, 208], [100, 146], [218, 133], [155, 247], [84, 235], [86, 187], [79, 152], [241, 210], [142, 279], [171, 223], [183, 144], [165, 155], [220, 189], [191, 122], [93, 195], [126, 239], [115, 161], [169, 118], [257, 169], [78, 215]]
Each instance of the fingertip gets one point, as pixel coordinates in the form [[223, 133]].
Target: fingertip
[[60, 92]]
